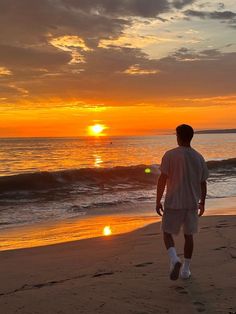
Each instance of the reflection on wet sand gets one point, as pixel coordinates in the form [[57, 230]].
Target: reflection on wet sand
[[70, 230]]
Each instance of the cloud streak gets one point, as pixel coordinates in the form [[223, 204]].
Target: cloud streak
[[223, 16]]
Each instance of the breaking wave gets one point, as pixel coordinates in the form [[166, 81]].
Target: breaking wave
[[145, 175]]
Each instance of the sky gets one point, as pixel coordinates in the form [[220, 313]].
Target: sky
[[138, 67]]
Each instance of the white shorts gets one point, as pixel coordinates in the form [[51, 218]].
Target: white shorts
[[174, 219]]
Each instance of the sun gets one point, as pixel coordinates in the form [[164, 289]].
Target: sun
[[96, 129]]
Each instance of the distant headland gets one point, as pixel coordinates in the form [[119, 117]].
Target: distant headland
[[220, 131]]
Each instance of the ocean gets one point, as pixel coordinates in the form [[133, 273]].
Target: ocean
[[52, 179]]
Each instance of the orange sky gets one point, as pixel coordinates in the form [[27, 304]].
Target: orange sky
[[138, 67], [135, 120]]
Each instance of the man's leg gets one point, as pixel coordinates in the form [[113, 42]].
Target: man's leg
[[188, 251], [174, 259], [168, 239], [188, 246]]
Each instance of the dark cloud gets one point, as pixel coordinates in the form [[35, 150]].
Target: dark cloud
[[14, 57], [204, 4], [224, 15], [9, 92], [217, 15], [185, 54], [141, 8], [185, 73], [228, 17], [28, 26], [179, 4], [29, 22], [41, 71], [221, 6]]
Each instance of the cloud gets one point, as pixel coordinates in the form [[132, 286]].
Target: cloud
[[9, 93], [14, 57], [137, 70], [185, 54], [221, 6], [132, 39], [35, 30], [217, 15], [4, 71], [32, 22], [125, 8], [60, 51], [67, 43], [228, 17], [179, 4], [73, 44], [125, 76]]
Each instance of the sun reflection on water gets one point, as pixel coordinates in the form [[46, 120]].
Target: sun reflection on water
[[107, 231], [98, 161]]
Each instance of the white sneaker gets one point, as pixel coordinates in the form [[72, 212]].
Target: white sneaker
[[185, 274], [174, 270]]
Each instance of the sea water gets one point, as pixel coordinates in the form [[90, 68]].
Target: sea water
[[48, 179]]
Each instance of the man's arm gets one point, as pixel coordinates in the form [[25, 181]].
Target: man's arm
[[203, 198], [160, 190]]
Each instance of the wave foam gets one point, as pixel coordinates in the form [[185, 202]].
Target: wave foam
[[96, 177]]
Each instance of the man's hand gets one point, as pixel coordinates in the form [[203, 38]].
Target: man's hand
[[201, 209], [160, 190], [159, 209]]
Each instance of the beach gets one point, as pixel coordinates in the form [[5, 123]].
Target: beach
[[54, 255], [126, 273], [113, 114]]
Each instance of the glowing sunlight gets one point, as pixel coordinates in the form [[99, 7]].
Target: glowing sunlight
[[96, 130], [107, 231]]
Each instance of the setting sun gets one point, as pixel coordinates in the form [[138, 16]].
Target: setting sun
[[96, 130]]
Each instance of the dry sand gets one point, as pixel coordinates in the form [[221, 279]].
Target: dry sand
[[122, 274]]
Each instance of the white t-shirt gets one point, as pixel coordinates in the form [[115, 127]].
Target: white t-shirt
[[185, 169]]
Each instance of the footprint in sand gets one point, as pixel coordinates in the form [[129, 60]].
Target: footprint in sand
[[143, 264], [152, 234], [222, 226], [232, 252], [220, 248], [180, 290], [103, 274], [200, 307]]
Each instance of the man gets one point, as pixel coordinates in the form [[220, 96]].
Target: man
[[184, 172]]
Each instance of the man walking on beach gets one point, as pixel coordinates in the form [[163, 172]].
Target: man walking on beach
[[184, 172]]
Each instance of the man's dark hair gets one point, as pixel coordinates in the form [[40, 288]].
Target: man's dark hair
[[185, 132]]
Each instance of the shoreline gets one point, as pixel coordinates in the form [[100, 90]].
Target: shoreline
[[87, 227], [125, 273]]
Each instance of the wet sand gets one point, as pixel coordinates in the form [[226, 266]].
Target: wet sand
[[120, 219], [125, 273]]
